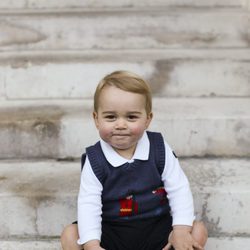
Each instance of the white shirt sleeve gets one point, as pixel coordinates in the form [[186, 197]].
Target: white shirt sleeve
[[89, 206], [178, 191]]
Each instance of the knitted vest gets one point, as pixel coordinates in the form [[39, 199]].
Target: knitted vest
[[134, 190]]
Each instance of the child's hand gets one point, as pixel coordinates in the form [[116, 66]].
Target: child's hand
[[181, 239], [93, 245], [94, 248]]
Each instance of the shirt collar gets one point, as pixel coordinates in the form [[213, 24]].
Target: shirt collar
[[116, 160]]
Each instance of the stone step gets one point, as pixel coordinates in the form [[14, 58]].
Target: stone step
[[39, 244], [62, 129], [119, 29], [221, 194], [236, 243], [38, 198], [73, 4], [225, 243], [169, 76]]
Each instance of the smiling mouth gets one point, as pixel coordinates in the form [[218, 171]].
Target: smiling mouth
[[120, 135]]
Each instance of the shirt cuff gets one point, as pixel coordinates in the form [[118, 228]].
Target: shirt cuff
[[183, 221], [91, 235]]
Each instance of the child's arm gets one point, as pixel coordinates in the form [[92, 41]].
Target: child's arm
[[92, 245], [178, 190], [89, 208], [180, 201]]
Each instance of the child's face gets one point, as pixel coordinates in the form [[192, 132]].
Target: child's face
[[121, 119]]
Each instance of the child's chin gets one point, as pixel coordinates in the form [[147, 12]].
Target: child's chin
[[120, 147]]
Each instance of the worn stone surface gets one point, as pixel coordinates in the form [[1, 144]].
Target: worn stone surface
[[39, 244], [113, 30], [53, 53], [225, 243], [168, 78], [38, 127], [42, 200], [193, 127], [41, 4], [2, 86], [37, 198], [237, 243], [246, 4], [221, 194], [204, 126], [17, 217], [65, 80], [13, 34], [25, 59], [186, 78], [31, 214]]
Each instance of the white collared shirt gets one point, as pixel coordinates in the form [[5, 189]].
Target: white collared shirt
[[89, 198]]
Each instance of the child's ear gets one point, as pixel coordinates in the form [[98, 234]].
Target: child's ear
[[149, 119], [95, 116]]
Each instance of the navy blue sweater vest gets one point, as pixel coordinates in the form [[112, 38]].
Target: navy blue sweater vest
[[134, 190]]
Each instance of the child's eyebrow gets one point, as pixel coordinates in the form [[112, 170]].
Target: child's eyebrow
[[108, 112], [134, 112], [129, 112]]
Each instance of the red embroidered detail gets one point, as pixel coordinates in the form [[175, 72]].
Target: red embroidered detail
[[128, 206], [162, 193]]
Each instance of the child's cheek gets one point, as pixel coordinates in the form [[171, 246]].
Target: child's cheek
[[138, 130], [104, 131]]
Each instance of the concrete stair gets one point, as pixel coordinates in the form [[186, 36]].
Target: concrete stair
[[38, 198], [55, 129], [120, 29], [172, 73], [30, 244], [194, 53], [213, 243], [74, 4]]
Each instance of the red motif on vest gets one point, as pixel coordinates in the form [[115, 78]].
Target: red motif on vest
[[128, 206]]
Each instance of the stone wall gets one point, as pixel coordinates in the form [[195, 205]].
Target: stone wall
[[196, 56]]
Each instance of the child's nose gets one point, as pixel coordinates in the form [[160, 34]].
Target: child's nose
[[120, 124]]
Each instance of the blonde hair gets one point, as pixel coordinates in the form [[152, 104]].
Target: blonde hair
[[126, 81]]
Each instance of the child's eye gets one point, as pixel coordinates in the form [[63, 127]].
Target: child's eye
[[110, 117], [132, 117]]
